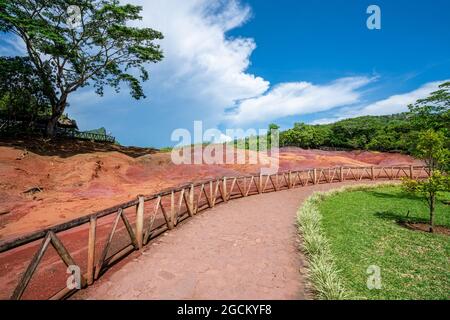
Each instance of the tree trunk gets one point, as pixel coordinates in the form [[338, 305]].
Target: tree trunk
[[57, 111], [51, 126], [432, 205]]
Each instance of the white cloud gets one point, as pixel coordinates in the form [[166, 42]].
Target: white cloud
[[393, 104], [399, 102], [297, 98], [199, 59], [325, 120], [203, 72]]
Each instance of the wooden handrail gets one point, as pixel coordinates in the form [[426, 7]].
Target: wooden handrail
[[190, 194]]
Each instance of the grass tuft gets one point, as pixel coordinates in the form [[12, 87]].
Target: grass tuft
[[322, 272]]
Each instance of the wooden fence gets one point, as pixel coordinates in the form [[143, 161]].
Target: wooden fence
[[146, 217]]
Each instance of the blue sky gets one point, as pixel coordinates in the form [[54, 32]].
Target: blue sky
[[318, 41], [245, 64]]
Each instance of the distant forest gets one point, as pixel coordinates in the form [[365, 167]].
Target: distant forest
[[397, 132], [383, 133]]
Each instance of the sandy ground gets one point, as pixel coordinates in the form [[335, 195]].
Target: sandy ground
[[51, 185], [245, 249]]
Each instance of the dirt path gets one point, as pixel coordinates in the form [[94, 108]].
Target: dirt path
[[246, 249]]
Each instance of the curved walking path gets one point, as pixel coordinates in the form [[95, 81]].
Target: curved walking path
[[245, 249]]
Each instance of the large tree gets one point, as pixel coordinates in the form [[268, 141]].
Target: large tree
[[73, 43]]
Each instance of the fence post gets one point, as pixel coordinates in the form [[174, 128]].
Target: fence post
[[372, 176], [290, 179], [411, 172], [140, 221], [315, 176], [214, 194], [245, 186], [260, 183], [191, 198], [341, 174], [211, 194], [91, 250], [172, 210], [225, 189]]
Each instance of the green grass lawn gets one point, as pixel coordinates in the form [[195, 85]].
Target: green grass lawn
[[362, 230]]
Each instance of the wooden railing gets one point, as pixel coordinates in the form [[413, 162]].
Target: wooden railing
[[146, 217]]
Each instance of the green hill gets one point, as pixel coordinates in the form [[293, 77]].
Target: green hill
[[383, 133]]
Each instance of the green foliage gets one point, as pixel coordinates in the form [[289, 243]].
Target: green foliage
[[396, 132], [382, 133], [272, 132], [431, 147], [166, 149], [104, 50], [21, 92], [428, 190], [306, 136], [437, 182], [434, 111]]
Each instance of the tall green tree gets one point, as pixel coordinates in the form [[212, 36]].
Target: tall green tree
[[74, 43]]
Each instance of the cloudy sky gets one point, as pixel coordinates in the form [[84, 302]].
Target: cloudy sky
[[245, 64]]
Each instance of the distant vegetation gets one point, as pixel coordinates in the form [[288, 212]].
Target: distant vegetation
[[383, 133], [396, 132]]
